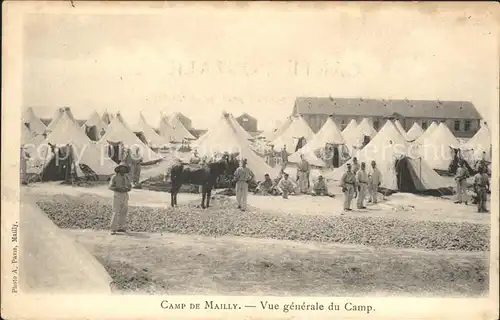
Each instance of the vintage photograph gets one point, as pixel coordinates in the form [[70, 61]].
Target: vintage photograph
[[250, 150]]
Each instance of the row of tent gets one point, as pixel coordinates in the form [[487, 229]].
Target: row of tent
[[227, 135], [170, 128], [54, 149], [297, 137]]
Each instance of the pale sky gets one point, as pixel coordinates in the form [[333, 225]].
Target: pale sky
[[254, 59]]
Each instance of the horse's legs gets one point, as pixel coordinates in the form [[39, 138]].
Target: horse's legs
[[203, 196], [173, 194], [209, 195]]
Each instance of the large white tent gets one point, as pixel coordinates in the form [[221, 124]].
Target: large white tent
[[53, 262], [239, 129], [354, 135], [430, 129], [119, 131], [437, 148], [350, 127], [400, 128], [415, 132], [480, 144], [30, 138], [276, 133], [223, 137], [106, 117], [154, 139], [57, 115], [95, 121], [83, 151], [36, 126], [290, 137], [400, 170], [329, 134], [167, 131], [180, 129]]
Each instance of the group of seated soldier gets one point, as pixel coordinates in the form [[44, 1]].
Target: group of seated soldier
[[284, 186]]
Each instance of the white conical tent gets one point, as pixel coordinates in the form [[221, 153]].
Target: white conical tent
[[106, 118], [36, 126], [427, 132], [59, 112], [400, 128], [415, 132], [179, 128], [167, 131], [328, 134], [224, 138], [354, 137], [85, 151], [153, 138], [239, 129], [352, 125], [281, 129], [119, 131], [366, 128], [96, 121], [480, 144], [289, 138], [30, 138], [53, 262], [389, 147], [436, 148]]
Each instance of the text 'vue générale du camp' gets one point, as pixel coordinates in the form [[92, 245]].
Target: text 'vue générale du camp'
[[268, 306]]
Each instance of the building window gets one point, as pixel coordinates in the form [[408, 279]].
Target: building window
[[424, 125], [376, 124], [456, 125], [467, 125]]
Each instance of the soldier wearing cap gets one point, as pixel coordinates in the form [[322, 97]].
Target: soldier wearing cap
[[285, 186], [120, 185], [362, 181], [348, 183], [242, 177]]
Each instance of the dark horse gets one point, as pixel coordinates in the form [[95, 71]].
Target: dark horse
[[205, 175]]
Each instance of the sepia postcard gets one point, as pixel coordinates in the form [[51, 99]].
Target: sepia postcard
[[250, 160]]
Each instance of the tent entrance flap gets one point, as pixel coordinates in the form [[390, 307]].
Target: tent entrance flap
[[115, 150], [142, 137], [92, 133], [332, 154], [59, 166], [457, 155], [404, 177], [366, 140], [300, 143]]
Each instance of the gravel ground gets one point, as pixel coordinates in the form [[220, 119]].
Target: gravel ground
[[94, 212]]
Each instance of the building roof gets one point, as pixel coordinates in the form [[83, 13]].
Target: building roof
[[245, 116], [381, 108]]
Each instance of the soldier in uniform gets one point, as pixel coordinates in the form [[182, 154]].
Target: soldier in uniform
[[284, 157], [348, 183], [461, 180], [374, 180], [303, 171], [285, 186], [362, 184], [481, 186], [355, 165]]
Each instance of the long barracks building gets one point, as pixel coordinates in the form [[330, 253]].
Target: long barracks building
[[461, 116]]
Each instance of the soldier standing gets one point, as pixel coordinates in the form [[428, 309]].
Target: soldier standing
[[348, 182], [362, 181]]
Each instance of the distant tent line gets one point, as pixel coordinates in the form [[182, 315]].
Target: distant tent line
[[329, 147]]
